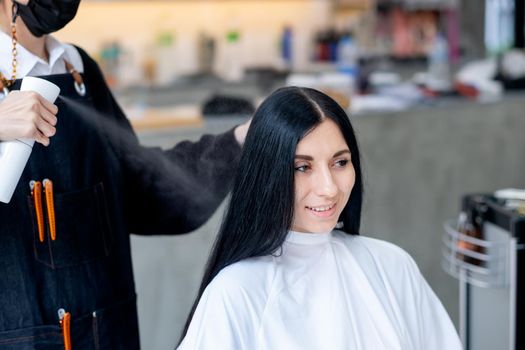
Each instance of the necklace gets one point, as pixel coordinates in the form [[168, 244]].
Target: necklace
[[4, 82]]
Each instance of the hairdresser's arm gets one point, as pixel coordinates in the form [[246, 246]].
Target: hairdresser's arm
[[25, 114], [241, 131], [177, 190], [173, 191]]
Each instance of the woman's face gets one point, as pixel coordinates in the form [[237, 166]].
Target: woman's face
[[324, 178]]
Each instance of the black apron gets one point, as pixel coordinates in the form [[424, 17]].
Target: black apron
[[83, 271]]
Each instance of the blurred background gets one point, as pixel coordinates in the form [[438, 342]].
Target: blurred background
[[433, 88]]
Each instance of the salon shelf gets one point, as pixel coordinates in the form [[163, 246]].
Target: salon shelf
[[487, 269], [165, 117]]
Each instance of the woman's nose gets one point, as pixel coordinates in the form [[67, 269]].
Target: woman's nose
[[325, 184]]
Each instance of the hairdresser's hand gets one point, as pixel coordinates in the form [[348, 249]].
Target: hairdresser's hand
[[26, 114], [241, 131]]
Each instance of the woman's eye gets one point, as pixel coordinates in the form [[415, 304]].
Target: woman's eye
[[341, 163], [302, 168]]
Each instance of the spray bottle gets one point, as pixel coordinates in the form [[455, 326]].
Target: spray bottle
[[15, 154], [438, 65], [286, 47]]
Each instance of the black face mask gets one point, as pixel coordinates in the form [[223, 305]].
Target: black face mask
[[47, 16]]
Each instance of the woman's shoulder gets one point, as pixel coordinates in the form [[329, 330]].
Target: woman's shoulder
[[249, 274], [382, 252], [385, 264]]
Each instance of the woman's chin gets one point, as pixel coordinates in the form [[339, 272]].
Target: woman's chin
[[317, 228]]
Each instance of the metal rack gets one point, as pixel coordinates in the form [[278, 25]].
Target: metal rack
[[485, 252], [487, 269]]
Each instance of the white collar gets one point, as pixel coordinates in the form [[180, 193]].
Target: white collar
[[26, 60], [308, 238], [55, 49]]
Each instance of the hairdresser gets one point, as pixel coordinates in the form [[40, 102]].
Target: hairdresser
[[65, 265]]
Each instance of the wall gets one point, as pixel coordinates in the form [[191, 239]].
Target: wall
[[136, 26]]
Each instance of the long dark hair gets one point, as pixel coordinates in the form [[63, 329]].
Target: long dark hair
[[264, 184]]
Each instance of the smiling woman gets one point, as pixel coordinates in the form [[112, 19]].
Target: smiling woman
[[280, 276], [324, 179]]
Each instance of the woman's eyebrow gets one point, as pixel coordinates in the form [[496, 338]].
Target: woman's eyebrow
[[303, 157], [337, 154]]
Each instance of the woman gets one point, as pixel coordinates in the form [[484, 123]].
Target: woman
[[280, 276]]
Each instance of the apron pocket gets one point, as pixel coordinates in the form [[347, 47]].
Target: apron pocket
[[82, 229], [42, 338], [116, 326]]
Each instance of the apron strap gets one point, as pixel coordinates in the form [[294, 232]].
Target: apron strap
[[79, 81]]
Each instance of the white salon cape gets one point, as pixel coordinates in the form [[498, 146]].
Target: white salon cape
[[327, 291]]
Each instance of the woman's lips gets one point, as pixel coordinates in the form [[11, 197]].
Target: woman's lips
[[322, 211]]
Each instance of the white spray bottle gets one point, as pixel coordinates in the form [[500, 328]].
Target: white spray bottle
[[14, 154]]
